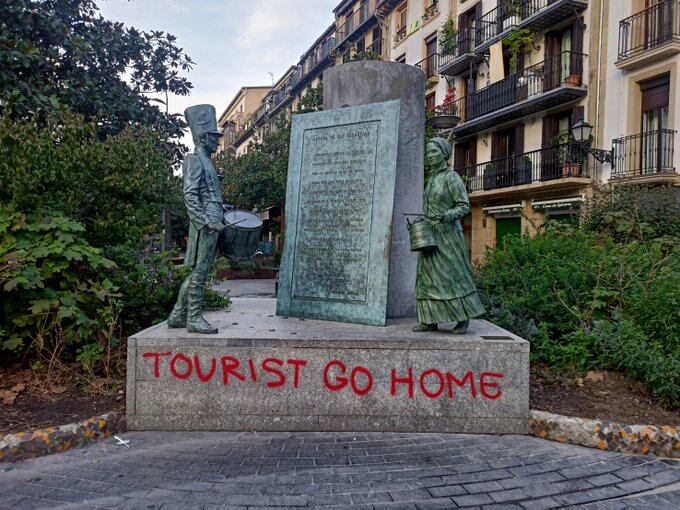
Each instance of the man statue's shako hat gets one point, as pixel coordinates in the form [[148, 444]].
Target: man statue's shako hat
[[202, 119]]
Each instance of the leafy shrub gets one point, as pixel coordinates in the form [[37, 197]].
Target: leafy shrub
[[149, 284], [115, 187], [658, 208], [587, 300], [52, 294]]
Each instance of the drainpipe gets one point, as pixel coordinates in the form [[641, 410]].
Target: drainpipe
[[599, 74]]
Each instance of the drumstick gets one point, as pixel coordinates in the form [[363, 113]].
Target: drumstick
[[235, 223]]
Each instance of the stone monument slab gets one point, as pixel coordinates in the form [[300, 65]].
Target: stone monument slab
[[339, 206], [266, 373], [374, 81]]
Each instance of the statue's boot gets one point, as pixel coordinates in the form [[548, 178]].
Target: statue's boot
[[422, 327], [196, 323], [178, 317], [461, 327]]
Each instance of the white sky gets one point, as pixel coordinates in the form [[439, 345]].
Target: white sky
[[233, 42]]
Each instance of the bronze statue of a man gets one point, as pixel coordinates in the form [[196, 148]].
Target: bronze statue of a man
[[204, 204]]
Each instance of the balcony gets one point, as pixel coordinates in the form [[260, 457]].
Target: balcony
[[457, 52], [313, 64], [649, 35], [560, 166], [260, 115], [429, 65], [350, 28], [537, 15], [400, 35], [431, 11], [557, 80], [645, 156]]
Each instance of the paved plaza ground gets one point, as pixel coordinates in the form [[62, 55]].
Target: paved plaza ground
[[250, 470], [187, 470]]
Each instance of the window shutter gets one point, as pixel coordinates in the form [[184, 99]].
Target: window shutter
[[577, 114], [519, 139], [655, 93]]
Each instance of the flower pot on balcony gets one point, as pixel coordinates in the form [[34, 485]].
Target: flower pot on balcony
[[574, 79], [511, 21], [571, 170]]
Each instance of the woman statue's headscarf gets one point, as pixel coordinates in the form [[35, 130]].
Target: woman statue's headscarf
[[443, 145]]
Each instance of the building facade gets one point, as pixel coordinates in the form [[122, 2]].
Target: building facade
[[236, 120], [642, 83], [319, 57], [519, 74], [523, 72]]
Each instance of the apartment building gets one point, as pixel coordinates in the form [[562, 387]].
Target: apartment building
[[312, 64], [359, 29], [523, 72], [642, 82], [278, 102], [236, 120]]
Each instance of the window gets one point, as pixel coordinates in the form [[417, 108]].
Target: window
[[430, 54], [402, 22], [402, 16], [655, 101], [430, 101], [401, 59]]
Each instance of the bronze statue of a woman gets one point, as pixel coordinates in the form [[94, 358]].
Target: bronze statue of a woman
[[445, 290]]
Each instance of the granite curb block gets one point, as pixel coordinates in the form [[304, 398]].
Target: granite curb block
[[36, 443], [605, 435]]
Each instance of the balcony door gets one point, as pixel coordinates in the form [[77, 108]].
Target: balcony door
[[466, 22], [430, 53], [507, 146], [655, 102]]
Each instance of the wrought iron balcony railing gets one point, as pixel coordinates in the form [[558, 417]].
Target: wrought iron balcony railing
[[400, 35], [514, 13], [454, 48], [562, 69], [431, 11], [375, 47], [649, 29], [645, 153], [355, 21], [429, 65], [547, 164]]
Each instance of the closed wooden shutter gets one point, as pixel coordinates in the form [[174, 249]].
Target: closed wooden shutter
[[655, 93], [576, 57], [519, 139]]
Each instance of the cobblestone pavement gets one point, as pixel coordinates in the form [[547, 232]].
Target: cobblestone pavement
[[238, 470]]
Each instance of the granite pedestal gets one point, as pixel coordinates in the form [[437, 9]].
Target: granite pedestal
[[263, 372]]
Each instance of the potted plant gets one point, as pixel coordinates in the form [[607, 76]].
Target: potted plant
[[447, 34], [574, 80], [519, 41], [566, 156], [511, 13]]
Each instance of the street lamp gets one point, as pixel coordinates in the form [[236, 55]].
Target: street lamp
[[581, 132]]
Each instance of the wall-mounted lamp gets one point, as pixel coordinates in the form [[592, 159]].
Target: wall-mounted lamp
[[581, 131]]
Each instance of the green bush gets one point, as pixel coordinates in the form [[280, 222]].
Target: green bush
[[587, 300], [657, 208], [115, 187], [52, 294], [149, 284]]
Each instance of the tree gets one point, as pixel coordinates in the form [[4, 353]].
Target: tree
[[57, 54], [115, 187]]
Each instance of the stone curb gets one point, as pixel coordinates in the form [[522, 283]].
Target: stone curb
[[36, 443], [604, 435]]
